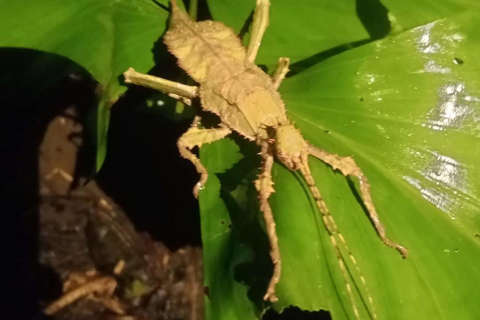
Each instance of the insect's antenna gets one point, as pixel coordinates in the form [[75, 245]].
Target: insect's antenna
[[334, 233]]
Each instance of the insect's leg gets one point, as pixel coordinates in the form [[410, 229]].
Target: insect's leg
[[280, 72], [260, 23], [195, 137], [334, 233], [264, 186], [174, 89], [348, 167]]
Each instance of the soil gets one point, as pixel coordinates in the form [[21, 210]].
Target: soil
[[83, 230]]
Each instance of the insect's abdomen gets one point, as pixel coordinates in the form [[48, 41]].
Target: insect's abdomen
[[262, 108]]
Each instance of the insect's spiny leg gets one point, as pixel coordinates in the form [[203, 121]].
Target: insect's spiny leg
[[334, 232], [260, 23], [343, 268], [264, 186], [195, 137], [175, 89], [348, 167], [280, 72], [367, 198], [360, 275], [182, 99]]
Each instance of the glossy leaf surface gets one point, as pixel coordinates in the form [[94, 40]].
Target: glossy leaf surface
[[409, 14], [407, 108]]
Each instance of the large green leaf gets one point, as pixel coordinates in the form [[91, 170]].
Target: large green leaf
[[408, 109], [106, 37], [298, 29], [412, 13]]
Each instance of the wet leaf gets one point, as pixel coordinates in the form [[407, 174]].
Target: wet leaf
[[409, 14], [407, 108]]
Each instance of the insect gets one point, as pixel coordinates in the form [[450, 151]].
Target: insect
[[247, 101]]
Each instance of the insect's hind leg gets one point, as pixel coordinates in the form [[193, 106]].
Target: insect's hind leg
[[264, 186], [174, 89], [334, 234], [260, 23], [195, 137], [348, 167]]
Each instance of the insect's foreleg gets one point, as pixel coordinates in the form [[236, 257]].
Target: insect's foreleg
[[260, 23], [348, 167], [264, 186], [280, 72], [195, 137], [175, 90]]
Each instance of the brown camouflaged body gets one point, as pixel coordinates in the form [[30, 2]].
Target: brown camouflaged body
[[230, 86]]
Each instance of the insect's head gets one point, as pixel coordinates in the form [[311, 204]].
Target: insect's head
[[290, 145]]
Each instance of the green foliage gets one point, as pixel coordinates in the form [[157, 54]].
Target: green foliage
[[407, 110], [322, 26], [104, 37], [407, 107]]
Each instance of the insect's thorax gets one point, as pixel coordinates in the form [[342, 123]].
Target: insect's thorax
[[246, 102]]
